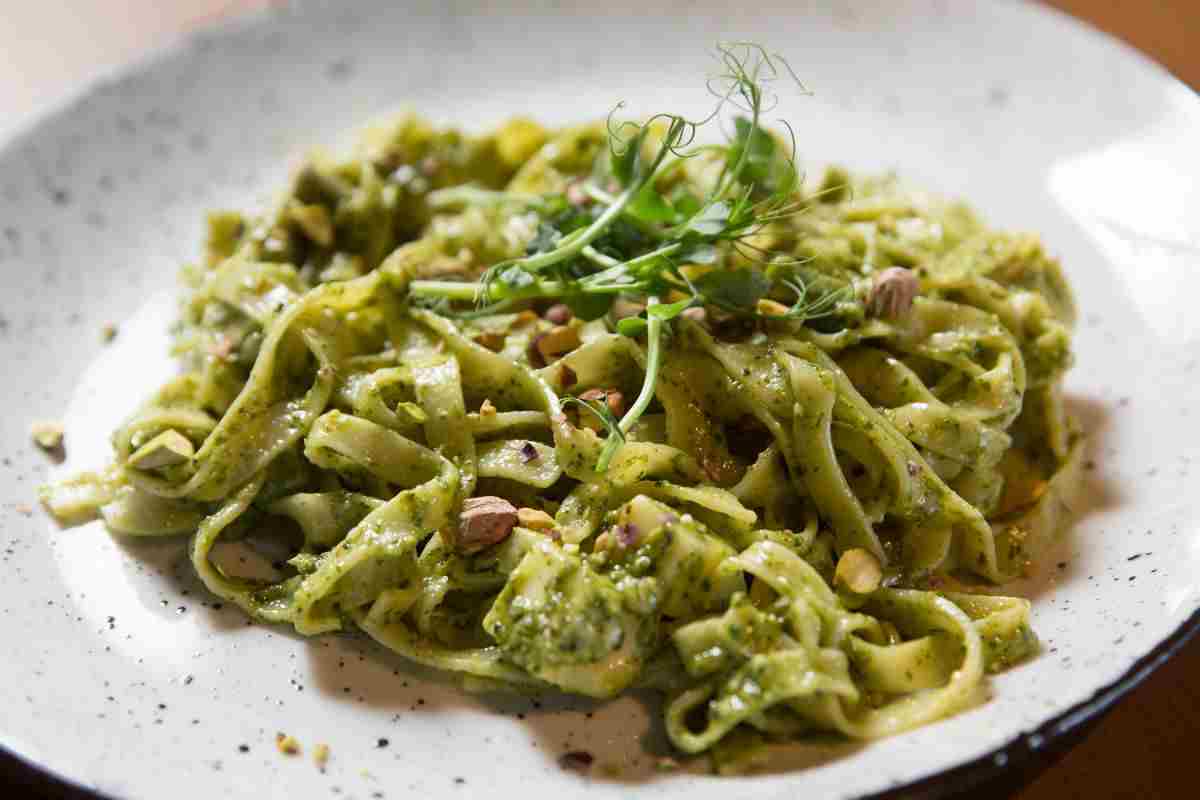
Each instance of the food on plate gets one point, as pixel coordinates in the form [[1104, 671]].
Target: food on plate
[[617, 405]]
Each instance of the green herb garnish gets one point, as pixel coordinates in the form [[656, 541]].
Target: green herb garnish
[[640, 229]]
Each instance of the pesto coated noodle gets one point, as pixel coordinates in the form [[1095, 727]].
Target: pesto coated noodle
[[600, 407]]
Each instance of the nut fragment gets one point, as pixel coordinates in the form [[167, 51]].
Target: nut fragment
[[486, 409], [558, 314], [567, 376], [287, 744], [552, 344], [484, 522], [321, 756], [771, 307], [893, 292], [623, 308], [167, 448], [695, 314], [492, 340], [535, 519], [610, 397], [47, 435], [858, 571], [523, 318]]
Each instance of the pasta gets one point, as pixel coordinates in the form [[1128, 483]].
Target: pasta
[[540, 409]]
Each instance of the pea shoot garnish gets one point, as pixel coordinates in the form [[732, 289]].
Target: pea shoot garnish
[[648, 238]]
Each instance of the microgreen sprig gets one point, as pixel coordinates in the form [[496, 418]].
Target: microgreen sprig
[[635, 237]]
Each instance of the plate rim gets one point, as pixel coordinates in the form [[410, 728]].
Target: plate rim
[[1030, 751]]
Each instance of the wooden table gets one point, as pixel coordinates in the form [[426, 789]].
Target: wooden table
[[1142, 749]]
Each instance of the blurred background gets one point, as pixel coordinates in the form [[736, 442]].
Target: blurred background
[[1142, 749]]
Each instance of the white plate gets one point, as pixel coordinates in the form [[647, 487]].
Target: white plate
[[120, 674]]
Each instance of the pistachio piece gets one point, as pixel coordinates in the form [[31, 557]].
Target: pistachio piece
[[893, 292], [321, 756], [858, 571], [492, 340], [167, 448], [771, 308], [288, 745], [552, 344], [535, 519], [47, 435], [610, 397], [484, 522], [558, 314]]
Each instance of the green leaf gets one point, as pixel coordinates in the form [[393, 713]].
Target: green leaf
[[589, 306], [631, 326], [698, 254], [759, 148], [667, 311], [685, 203], [545, 240], [627, 159], [737, 289], [650, 206], [711, 221]]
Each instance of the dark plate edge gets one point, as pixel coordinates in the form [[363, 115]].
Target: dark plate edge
[[1024, 755], [1030, 752]]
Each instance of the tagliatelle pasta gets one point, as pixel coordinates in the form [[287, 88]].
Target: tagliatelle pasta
[[596, 408]]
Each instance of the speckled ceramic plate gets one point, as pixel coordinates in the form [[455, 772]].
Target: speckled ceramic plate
[[121, 675]]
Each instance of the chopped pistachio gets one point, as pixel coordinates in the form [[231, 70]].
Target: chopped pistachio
[[108, 332], [523, 318], [610, 397], [892, 292], [486, 409], [287, 744], [535, 519], [47, 434], [321, 755], [167, 448], [623, 308], [771, 307], [554, 343], [558, 314], [492, 340], [484, 522]]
